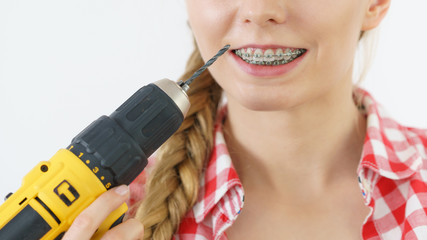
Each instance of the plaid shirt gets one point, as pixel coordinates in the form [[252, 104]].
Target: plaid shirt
[[391, 177]]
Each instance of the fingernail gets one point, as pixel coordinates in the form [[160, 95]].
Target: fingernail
[[122, 190]]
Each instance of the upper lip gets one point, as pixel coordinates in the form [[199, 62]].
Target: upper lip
[[263, 46]]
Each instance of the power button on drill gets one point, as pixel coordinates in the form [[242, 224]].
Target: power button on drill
[[66, 192]]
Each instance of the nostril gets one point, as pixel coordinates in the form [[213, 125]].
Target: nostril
[[265, 17]]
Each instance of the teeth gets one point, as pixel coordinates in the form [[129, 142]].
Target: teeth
[[258, 55], [248, 54], [279, 54], [268, 57], [288, 54]]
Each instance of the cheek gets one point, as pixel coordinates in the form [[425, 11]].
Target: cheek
[[333, 29], [329, 19], [210, 20]]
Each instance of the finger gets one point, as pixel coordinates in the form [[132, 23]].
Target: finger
[[130, 230], [91, 218]]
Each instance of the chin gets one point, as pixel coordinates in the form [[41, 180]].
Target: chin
[[266, 104], [254, 97]]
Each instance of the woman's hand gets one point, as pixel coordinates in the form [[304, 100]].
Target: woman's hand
[[85, 225]]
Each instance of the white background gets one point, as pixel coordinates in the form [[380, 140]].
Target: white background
[[65, 63]]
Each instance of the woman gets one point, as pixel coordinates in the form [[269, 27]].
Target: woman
[[310, 155]]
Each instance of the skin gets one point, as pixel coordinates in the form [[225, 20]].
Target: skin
[[85, 225], [307, 115], [296, 138]]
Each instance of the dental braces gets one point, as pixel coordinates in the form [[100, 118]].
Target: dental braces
[[268, 60]]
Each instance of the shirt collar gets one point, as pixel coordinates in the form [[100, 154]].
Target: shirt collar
[[219, 185], [391, 150]]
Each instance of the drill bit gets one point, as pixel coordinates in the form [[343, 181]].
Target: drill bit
[[186, 85]]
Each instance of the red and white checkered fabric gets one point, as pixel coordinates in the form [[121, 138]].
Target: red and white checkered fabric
[[391, 174]]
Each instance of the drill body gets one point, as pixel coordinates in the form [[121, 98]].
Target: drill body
[[111, 151], [52, 194]]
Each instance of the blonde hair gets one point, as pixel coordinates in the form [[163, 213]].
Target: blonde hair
[[365, 54], [172, 186]]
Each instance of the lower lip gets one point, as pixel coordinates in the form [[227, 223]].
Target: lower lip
[[267, 70]]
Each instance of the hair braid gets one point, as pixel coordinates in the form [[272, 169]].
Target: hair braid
[[173, 184]]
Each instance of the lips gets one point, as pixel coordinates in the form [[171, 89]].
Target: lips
[[268, 61], [270, 56]]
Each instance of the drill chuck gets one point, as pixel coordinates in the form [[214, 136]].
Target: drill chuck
[[118, 146]]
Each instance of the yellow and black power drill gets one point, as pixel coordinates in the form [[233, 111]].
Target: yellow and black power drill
[[111, 151]]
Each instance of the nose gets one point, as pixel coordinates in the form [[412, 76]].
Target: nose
[[262, 12]]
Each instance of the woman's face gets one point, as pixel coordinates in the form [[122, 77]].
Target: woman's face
[[301, 50]]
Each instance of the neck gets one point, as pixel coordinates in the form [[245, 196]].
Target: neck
[[313, 145]]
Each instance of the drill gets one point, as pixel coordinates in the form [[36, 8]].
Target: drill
[[111, 151]]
